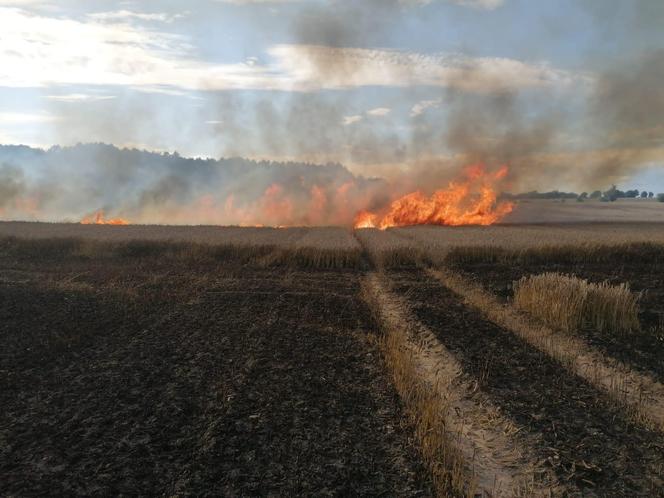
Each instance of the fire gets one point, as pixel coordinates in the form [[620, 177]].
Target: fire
[[472, 201], [99, 219]]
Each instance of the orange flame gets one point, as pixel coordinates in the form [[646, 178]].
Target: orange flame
[[98, 219], [473, 201]]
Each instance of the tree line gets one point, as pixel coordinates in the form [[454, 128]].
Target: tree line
[[610, 195]]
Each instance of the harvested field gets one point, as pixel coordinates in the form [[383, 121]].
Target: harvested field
[[137, 376], [301, 362], [643, 270], [592, 211], [439, 240], [584, 438], [243, 236]]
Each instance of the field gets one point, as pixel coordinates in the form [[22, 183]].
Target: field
[[176, 361]]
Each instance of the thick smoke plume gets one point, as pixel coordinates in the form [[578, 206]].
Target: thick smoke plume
[[614, 128]]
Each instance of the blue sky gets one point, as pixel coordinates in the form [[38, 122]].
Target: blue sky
[[383, 86]]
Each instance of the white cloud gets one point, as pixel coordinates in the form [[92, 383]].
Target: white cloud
[[39, 51], [379, 112], [349, 120], [166, 90], [481, 4], [124, 15], [17, 118], [80, 97], [12, 3], [421, 107], [243, 2], [314, 67], [475, 4]]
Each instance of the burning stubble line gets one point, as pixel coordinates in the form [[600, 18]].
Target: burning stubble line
[[470, 448], [639, 394]]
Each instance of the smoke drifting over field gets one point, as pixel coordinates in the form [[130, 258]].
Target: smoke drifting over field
[[145, 187], [462, 111]]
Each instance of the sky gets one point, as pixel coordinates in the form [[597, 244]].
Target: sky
[[568, 93]]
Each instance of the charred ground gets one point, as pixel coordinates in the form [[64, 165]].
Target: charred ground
[[244, 369], [143, 375]]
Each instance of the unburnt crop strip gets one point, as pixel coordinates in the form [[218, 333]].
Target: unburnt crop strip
[[641, 350], [572, 302], [641, 395], [585, 439], [470, 448]]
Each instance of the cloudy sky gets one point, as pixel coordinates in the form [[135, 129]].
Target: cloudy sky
[[567, 90]]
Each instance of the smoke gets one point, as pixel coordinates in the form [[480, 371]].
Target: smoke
[[12, 186], [67, 184], [632, 97], [627, 111], [552, 129]]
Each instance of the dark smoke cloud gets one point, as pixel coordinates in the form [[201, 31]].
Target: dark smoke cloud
[[627, 114], [632, 96]]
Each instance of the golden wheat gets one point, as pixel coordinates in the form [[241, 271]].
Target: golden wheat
[[561, 254], [309, 256], [641, 395], [441, 239], [569, 303], [387, 249]]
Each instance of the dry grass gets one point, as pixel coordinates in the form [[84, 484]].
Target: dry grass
[[569, 303], [157, 233], [640, 395], [469, 447], [561, 254], [425, 407], [388, 250], [303, 256], [592, 238], [316, 258]]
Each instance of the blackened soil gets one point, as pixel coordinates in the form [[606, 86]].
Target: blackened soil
[[585, 439], [125, 381], [642, 351]]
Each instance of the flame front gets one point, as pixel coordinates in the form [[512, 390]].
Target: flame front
[[473, 201], [99, 219]]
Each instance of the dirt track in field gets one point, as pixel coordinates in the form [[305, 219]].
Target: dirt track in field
[[583, 436], [137, 379]]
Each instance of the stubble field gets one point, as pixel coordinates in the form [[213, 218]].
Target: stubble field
[[263, 362]]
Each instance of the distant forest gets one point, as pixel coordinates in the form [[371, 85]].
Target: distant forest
[[610, 195]]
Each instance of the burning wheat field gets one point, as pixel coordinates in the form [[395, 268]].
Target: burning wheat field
[[387, 259]]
